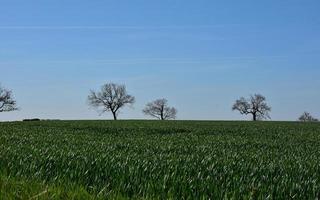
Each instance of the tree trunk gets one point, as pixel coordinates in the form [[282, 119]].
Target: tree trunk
[[161, 113], [254, 116], [114, 115], [162, 116]]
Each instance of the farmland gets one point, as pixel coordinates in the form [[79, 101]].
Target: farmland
[[159, 160]]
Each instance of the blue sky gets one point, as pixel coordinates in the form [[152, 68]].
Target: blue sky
[[200, 55]]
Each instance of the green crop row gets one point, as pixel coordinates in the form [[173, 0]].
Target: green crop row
[[162, 160]]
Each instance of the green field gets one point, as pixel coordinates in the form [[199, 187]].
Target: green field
[[159, 160]]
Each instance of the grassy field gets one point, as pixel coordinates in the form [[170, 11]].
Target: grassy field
[[159, 160]]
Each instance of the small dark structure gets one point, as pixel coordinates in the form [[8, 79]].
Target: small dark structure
[[31, 120]]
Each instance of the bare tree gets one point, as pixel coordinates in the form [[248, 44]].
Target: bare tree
[[111, 98], [7, 102], [307, 117], [159, 109], [255, 105]]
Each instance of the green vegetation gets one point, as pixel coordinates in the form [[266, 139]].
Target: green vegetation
[[159, 160]]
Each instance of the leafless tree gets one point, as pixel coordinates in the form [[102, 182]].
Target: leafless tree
[[307, 117], [159, 109], [7, 102], [111, 98], [255, 105]]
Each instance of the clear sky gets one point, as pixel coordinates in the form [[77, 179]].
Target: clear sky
[[199, 54]]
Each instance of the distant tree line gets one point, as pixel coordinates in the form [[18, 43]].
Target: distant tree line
[[113, 97]]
